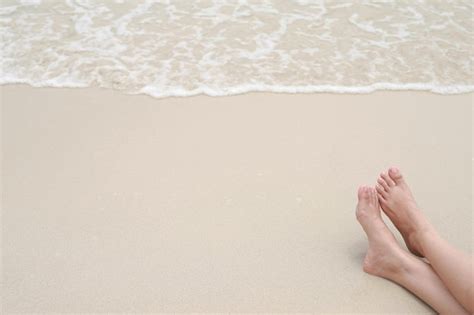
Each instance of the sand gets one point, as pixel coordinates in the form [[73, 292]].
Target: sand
[[123, 203]]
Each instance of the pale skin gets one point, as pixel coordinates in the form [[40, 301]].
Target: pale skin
[[445, 282]]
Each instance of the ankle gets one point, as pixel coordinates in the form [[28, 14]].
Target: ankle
[[420, 223], [406, 269], [425, 235]]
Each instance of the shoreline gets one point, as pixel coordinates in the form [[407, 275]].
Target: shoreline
[[261, 88]]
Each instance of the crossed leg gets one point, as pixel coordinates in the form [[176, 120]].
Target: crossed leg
[[385, 258], [451, 265]]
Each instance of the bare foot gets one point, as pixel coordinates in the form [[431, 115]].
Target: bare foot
[[385, 258], [399, 205]]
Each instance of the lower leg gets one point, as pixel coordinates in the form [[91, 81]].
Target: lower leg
[[452, 266], [386, 259], [419, 278]]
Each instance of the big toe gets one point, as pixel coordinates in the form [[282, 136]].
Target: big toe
[[396, 175], [363, 194], [363, 204]]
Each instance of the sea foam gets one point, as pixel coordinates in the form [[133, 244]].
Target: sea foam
[[183, 48]]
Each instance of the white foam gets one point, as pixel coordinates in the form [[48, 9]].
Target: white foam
[[157, 92], [217, 48], [443, 89]]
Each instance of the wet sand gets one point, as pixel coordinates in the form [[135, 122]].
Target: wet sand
[[125, 203]]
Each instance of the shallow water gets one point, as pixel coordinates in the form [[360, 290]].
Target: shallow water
[[165, 48]]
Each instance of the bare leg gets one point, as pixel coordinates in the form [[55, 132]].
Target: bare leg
[[385, 258], [452, 266]]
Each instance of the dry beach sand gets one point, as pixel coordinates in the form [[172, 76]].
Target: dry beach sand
[[125, 203]]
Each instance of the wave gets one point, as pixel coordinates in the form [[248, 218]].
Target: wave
[[235, 90], [165, 48]]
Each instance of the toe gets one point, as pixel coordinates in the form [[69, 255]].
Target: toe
[[395, 175], [363, 193], [360, 191], [380, 191], [382, 183], [381, 199], [387, 179], [373, 196]]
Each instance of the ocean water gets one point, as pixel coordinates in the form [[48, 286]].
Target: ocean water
[[180, 48]]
